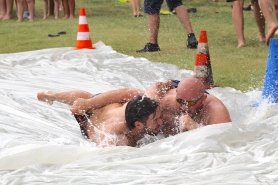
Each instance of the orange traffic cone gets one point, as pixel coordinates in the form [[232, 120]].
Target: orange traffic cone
[[202, 69], [83, 36]]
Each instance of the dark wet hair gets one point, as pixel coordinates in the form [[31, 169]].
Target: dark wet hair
[[139, 108]]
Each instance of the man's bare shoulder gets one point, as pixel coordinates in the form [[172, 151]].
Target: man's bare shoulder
[[218, 112], [109, 112], [111, 118], [213, 101], [167, 100]]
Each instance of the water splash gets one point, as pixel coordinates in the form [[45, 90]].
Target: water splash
[[45, 143]]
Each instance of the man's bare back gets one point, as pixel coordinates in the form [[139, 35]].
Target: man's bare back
[[168, 114], [107, 125]]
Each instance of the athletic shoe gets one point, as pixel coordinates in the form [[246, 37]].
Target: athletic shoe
[[149, 47], [192, 42], [26, 15], [192, 10]]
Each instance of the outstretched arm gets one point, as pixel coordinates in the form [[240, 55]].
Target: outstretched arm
[[115, 96]]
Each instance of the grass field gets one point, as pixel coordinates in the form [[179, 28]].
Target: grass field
[[113, 24]]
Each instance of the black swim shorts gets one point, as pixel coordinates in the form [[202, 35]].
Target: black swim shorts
[[154, 6], [82, 120]]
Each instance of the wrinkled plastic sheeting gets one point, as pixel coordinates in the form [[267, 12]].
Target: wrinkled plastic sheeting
[[42, 143]]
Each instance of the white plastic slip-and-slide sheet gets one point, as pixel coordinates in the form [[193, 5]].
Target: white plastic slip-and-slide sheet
[[42, 144]]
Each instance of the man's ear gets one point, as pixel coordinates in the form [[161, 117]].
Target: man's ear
[[138, 124]]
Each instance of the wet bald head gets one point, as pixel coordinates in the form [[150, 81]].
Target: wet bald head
[[190, 88]]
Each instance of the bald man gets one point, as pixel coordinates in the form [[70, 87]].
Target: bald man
[[188, 107]]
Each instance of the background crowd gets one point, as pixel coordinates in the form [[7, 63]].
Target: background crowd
[[26, 9], [262, 9]]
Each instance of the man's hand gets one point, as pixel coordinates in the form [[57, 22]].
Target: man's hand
[[187, 123], [80, 106]]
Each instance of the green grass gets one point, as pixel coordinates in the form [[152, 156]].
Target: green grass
[[112, 23]]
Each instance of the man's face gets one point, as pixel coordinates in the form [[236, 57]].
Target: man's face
[[189, 106], [152, 125]]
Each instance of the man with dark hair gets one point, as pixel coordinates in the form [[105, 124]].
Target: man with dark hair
[[106, 125], [142, 109]]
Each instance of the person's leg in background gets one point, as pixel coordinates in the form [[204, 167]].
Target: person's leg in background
[[31, 8], [71, 9], [152, 8], [185, 21], [20, 10], [56, 8], [45, 9], [238, 19], [260, 20], [135, 4], [9, 9], [267, 12], [2, 9], [66, 8]]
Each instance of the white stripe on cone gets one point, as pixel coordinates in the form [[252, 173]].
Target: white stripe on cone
[[82, 20], [203, 48], [83, 36]]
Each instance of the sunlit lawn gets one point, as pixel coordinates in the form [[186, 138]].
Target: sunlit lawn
[[113, 24]]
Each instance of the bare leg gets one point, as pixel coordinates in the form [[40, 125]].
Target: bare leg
[[9, 9], [138, 7], [31, 8], [25, 9], [259, 18], [2, 8], [56, 8], [61, 5], [67, 97], [276, 15], [19, 10], [71, 8], [154, 21], [238, 19], [184, 18], [135, 4], [66, 8], [272, 27], [45, 9]]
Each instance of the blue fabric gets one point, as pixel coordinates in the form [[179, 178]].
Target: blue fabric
[[175, 84]]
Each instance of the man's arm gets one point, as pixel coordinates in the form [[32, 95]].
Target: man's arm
[[217, 113], [115, 96], [187, 123], [158, 90]]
